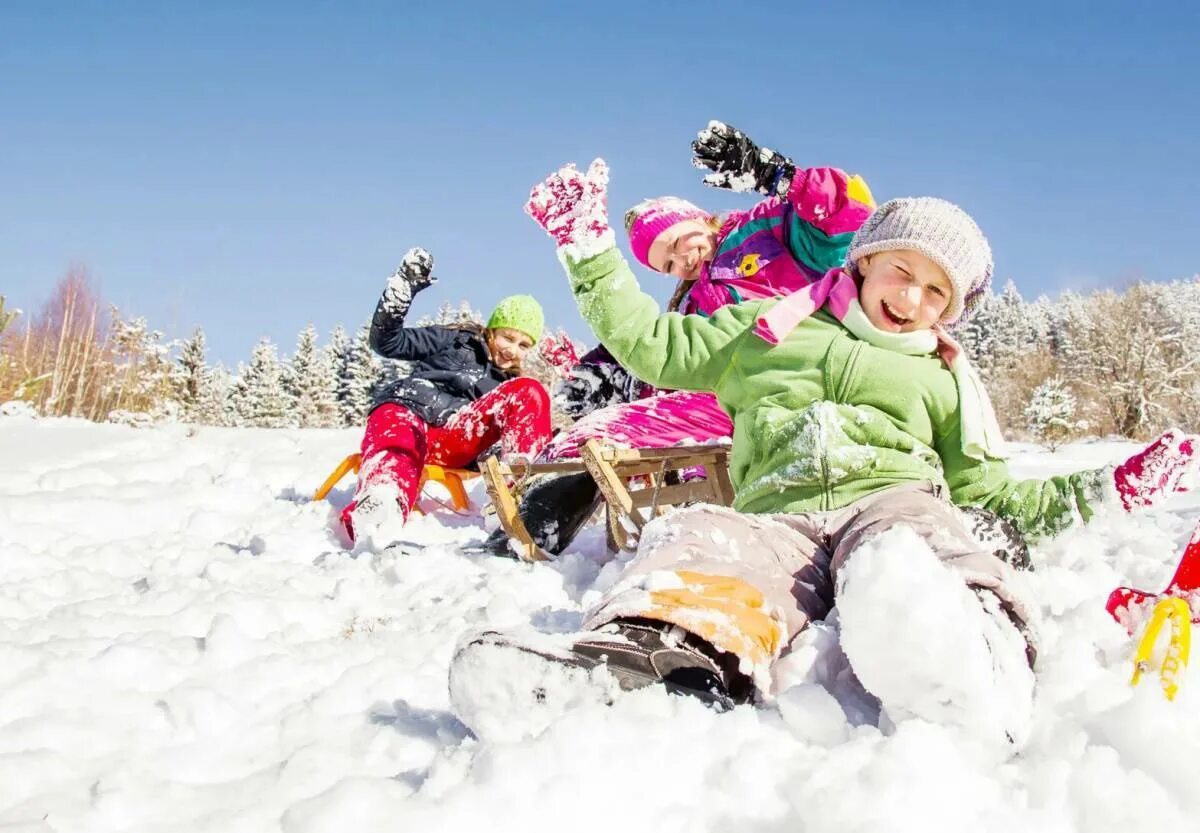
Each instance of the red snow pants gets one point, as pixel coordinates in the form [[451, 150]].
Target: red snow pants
[[398, 443]]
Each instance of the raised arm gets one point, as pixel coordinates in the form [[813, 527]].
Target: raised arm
[[671, 350], [828, 198], [390, 338]]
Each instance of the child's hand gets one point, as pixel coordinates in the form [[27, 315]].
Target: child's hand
[[573, 209], [1167, 465], [738, 164], [559, 353], [416, 270]]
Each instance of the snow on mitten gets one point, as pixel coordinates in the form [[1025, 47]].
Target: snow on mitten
[[573, 209], [417, 269], [738, 164], [413, 274], [1167, 465], [559, 353]]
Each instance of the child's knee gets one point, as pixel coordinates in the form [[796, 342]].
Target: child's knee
[[529, 391]]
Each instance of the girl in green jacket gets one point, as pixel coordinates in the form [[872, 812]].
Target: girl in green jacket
[[857, 421]]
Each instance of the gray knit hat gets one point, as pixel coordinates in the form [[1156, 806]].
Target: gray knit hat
[[942, 232]]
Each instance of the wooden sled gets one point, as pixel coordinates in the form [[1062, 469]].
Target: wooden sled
[[615, 471]]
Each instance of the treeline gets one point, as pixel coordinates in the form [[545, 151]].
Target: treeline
[[79, 357], [1108, 363]]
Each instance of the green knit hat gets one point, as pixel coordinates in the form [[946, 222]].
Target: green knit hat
[[520, 312]]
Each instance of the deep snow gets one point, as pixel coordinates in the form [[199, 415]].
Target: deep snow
[[186, 644]]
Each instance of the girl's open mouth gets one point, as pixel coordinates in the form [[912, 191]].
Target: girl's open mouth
[[891, 316]]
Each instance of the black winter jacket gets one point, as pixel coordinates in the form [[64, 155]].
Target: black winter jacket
[[451, 367]]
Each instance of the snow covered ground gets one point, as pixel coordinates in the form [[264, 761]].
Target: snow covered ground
[[185, 644]]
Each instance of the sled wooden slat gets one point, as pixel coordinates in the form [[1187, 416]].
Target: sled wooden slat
[[622, 455], [614, 470], [670, 495], [496, 482]]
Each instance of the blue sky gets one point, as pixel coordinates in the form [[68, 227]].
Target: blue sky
[[252, 167]]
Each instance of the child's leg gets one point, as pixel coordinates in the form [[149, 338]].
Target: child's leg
[[516, 414], [950, 646], [393, 454], [678, 418], [941, 525], [745, 583]]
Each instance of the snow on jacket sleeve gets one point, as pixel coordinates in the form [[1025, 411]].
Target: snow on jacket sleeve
[[392, 340], [1035, 507], [682, 352]]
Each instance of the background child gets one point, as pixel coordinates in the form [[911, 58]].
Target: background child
[[854, 414], [786, 241], [463, 396]]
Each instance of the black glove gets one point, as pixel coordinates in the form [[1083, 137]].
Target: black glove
[[417, 270], [738, 164]]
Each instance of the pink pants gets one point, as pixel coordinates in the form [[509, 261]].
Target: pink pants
[[678, 418]]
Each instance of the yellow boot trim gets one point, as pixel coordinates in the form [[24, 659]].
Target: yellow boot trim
[[723, 610]]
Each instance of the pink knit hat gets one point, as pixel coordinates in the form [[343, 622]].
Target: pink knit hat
[[650, 218]]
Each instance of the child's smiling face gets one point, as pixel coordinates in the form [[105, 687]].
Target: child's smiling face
[[682, 249], [903, 291]]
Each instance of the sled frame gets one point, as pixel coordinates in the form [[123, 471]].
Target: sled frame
[[616, 471]]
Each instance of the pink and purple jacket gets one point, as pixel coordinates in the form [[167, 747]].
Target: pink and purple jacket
[[783, 243]]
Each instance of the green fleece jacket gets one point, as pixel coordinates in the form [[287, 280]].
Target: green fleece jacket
[[821, 419]]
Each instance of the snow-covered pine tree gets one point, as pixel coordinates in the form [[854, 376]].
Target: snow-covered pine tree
[[452, 316], [192, 374], [263, 402], [310, 383], [1050, 414], [336, 352], [235, 404], [212, 407], [143, 387], [357, 376], [977, 335]]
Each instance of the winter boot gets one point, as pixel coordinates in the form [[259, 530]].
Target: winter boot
[[553, 510], [496, 678], [376, 514]]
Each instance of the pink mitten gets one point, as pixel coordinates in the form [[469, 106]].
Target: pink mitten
[[573, 209], [1166, 466], [559, 352]]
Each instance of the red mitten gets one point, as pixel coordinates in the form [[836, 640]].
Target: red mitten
[[573, 209], [559, 352], [1167, 465]]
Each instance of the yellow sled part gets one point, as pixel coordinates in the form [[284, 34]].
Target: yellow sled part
[[351, 463], [1180, 615], [452, 479]]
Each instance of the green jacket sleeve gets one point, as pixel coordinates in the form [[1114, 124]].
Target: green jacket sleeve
[[1035, 507], [681, 352]]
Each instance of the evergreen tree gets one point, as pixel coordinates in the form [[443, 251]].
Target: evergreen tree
[[212, 407], [310, 383], [357, 378], [263, 400], [192, 375], [1050, 414], [235, 404]]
